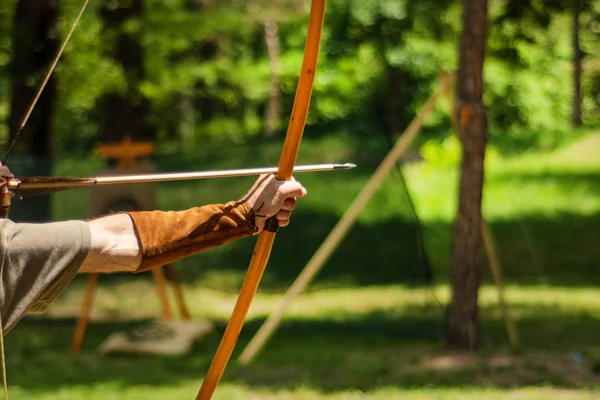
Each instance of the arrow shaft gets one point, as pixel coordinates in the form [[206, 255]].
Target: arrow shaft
[[50, 183], [182, 176]]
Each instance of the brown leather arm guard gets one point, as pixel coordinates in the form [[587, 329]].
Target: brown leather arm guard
[[168, 236]]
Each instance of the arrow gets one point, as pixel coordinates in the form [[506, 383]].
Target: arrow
[[37, 185]]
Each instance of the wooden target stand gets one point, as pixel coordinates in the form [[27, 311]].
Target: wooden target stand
[[134, 197]]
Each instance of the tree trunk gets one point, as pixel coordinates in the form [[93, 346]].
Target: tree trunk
[[274, 105], [462, 321], [35, 43], [577, 56], [396, 99], [34, 46], [187, 122], [125, 113]]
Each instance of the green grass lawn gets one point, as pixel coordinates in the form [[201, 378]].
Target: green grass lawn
[[543, 208], [369, 328], [374, 342]]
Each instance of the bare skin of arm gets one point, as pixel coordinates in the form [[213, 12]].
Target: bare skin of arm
[[115, 247]]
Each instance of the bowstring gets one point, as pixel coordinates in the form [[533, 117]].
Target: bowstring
[[45, 81], [4, 380], [21, 126]]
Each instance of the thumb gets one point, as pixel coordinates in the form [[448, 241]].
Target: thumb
[[292, 189]]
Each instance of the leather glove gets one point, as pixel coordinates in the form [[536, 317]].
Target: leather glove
[[168, 236]]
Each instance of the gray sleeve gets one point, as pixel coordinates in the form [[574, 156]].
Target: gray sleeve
[[37, 262]]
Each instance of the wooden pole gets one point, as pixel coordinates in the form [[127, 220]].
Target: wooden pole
[[163, 295], [84, 315], [342, 227], [490, 248], [184, 311]]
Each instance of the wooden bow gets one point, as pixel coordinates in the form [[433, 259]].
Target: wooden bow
[[262, 251]]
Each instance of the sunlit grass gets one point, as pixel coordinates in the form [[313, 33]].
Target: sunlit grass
[[226, 391], [542, 312], [131, 299], [544, 184], [336, 343]]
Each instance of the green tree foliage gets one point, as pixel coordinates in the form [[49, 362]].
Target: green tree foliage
[[530, 73], [206, 65], [590, 44]]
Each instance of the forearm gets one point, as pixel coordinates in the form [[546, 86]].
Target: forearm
[[114, 247], [139, 241]]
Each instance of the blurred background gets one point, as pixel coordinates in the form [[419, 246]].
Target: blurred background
[[211, 85]]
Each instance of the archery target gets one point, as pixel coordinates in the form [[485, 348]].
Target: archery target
[[109, 199]]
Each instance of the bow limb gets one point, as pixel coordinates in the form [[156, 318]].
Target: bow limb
[[264, 244]]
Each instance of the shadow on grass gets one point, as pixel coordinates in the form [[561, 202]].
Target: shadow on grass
[[355, 352], [564, 179], [562, 249]]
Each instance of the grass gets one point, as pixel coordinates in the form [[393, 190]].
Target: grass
[[369, 327], [544, 210], [372, 342]]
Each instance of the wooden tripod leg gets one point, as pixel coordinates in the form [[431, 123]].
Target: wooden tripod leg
[[163, 296], [184, 311], [511, 330], [84, 315]]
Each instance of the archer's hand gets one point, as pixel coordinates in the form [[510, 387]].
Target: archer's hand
[[270, 197]]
